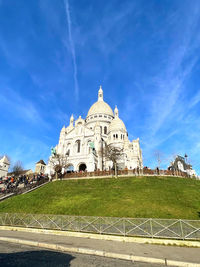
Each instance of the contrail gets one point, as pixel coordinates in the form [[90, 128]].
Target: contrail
[[72, 48]]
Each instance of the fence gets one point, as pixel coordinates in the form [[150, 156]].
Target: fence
[[134, 172], [141, 227]]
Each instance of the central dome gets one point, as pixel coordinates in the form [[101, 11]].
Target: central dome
[[100, 107]]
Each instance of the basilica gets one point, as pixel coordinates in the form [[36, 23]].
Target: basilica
[[83, 140]]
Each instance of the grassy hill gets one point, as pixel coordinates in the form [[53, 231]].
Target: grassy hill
[[156, 197]]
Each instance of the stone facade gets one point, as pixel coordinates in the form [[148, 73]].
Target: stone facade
[[83, 140], [40, 167], [23, 172], [4, 166]]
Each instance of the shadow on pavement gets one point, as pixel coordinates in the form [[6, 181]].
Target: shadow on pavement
[[39, 258]]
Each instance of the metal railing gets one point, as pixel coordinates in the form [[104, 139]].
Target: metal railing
[[13, 190], [140, 227]]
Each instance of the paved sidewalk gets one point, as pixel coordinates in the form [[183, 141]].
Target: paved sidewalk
[[182, 254]]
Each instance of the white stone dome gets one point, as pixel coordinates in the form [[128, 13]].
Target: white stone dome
[[100, 107], [116, 125]]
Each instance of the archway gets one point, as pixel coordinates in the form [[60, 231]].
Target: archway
[[82, 167], [70, 168]]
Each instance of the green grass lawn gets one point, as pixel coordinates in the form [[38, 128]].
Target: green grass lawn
[[164, 197]]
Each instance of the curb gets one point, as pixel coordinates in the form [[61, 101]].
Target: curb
[[6, 196], [128, 257], [166, 242]]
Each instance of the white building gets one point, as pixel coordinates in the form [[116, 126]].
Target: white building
[[180, 164], [82, 141], [4, 166]]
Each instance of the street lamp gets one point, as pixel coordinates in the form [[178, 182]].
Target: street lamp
[[102, 151]]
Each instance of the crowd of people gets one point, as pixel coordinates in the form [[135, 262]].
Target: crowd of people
[[15, 183]]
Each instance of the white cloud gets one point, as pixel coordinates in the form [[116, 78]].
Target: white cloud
[[72, 47]]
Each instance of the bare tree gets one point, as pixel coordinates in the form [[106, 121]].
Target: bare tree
[[159, 158], [113, 154], [17, 168], [58, 162]]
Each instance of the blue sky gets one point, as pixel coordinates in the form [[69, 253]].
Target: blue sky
[[54, 54]]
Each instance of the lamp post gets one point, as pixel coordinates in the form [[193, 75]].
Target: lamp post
[[102, 151]]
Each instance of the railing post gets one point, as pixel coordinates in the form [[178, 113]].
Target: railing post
[[151, 226], [61, 226], [181, 226], [100, 225], [124, 226]]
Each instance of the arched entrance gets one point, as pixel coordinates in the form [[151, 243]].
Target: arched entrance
[[82, 167], [70, 168]]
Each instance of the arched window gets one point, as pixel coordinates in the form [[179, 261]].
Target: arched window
[[105, 130], [78, 146], [116, 136]]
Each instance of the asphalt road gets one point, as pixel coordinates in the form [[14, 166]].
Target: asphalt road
[[26, 256]]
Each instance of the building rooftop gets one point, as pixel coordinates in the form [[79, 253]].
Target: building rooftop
[[41, 161]]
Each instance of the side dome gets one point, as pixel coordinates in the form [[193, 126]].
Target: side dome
[[100, 107], [116, 125]]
